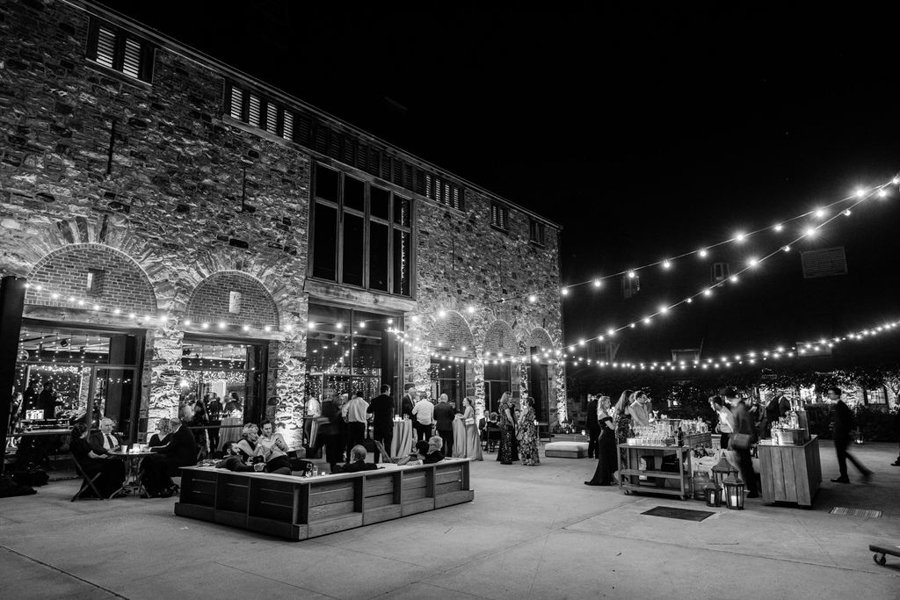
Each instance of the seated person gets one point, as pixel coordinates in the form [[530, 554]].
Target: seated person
[[420, 451], [104, 440], [233, 460], [273, 449], [357, 461], [247, 446], [435, 444], [94, 461], [181, 451], [160, 438]]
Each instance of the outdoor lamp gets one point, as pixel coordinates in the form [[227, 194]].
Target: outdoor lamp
[[720, 472], [712, 495], [734, 493]]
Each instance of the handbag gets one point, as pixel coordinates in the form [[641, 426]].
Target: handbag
[[740, 441], [470, 421]]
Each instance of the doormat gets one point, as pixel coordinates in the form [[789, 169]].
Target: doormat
[[678, 513], [856, 512]]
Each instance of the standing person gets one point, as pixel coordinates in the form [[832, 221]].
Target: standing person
[[356, 420], [444, 413], [423, 411], [621, 417], [593, 426], [408, 401], [214, 410], [725, 426], [507, 430], [527, 434], [896, 463], [199, 421], [639, 409], [742, 438], [606, 446], [843, 425], [776, 408], [330, 434], [473, 441], [382, 410]]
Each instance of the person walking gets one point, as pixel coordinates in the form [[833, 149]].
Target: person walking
[[593, 427], [507, 430], [725, 426], [382, 410], [742, 438], [606, 446], [527, 434], [843, 425]]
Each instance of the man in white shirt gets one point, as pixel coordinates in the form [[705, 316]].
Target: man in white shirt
[[423, 411], [356, 417]]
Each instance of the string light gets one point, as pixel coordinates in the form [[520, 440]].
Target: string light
[[598, 283]]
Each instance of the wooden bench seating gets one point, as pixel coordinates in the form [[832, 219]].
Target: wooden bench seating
[[297, 508]]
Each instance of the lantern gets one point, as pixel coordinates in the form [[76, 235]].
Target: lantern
[[712, 495], [720, 472], [734, 493]]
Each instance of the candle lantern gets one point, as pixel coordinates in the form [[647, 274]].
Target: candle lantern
[[734, 493], [720, 472], [712, 494]]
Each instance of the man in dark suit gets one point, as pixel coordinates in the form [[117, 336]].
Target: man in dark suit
[[409, 401], [843, 425], [382, 407], [104, 441], [181, 451], [444, 413], [593, 427]]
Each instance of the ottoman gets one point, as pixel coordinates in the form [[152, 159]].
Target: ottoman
[[566, 449]]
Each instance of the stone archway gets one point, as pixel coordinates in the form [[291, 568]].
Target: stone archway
[[452, 334], [233, 297], [499, 337]]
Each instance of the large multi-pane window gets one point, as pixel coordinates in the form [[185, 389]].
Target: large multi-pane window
[[362, 234]]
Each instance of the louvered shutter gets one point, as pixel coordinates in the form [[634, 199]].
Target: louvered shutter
[[131, 64], [304, 130], [287, 129], [106, 47], [272, 118], [237, 103], [253, 113]]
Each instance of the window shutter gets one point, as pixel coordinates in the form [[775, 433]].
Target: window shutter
[[287, 130], [347, 150], [429, 188], [321, 139], [106, 47], [374, 162], [253, 113], [272, 118], [237, 103], [131, 65], [304, 131]]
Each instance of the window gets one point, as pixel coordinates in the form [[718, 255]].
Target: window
[[720, 272], [876, 396], [443, 192], [538, 231], [362, 234], [234, 303], [120, 51], [260, 112], [94, 284], [499, 216]]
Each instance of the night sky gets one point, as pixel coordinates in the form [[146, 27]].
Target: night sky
[[644, 133]]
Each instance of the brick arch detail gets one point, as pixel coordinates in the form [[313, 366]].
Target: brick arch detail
[[538, 337], [209, 300], [453, 331], [499, 337], [120, 280]]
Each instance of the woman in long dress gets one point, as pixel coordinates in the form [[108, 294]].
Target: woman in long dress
[[473, 440], [606, 465], [507, 430], [527, 434]]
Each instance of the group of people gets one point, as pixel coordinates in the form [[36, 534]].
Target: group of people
[[205, 414], [95, 452], [518, 432]]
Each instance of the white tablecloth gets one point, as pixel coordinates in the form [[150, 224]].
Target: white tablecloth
[[402, 444]]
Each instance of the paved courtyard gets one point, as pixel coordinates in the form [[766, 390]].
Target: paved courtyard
[[530, 533]]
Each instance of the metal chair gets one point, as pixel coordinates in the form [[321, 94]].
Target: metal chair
[[86, 482]]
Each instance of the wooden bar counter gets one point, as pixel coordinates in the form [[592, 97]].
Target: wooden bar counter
[[299, 508], [790, 473]]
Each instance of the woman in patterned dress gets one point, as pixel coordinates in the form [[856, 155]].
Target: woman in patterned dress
[[527, 434], [507, 430]]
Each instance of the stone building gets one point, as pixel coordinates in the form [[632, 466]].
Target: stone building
[[185, 229]]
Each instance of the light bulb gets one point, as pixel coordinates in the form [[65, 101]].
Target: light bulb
[[820, 213], [610, 332], [810, 232], [752, 263], [598, 282], [647, 320], [666, 264], [311, 326], [733, 279], [663, 309], [532, 298], [778, 227], [703, 253], [707, 292], [787, 248], [847, 213], [564, 291], [739, 237], [443, 313], [882, 193], [860, 192]]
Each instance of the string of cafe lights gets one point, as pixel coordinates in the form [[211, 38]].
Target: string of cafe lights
[[753, 263], [773, 352]]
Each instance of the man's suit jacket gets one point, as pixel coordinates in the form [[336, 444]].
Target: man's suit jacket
[[95, 440], [843, 422], [182, 448], [406, 406], [382, 407], [592, 421], [444, 414]]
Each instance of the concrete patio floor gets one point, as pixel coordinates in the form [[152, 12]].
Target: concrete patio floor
[[530, 533]]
